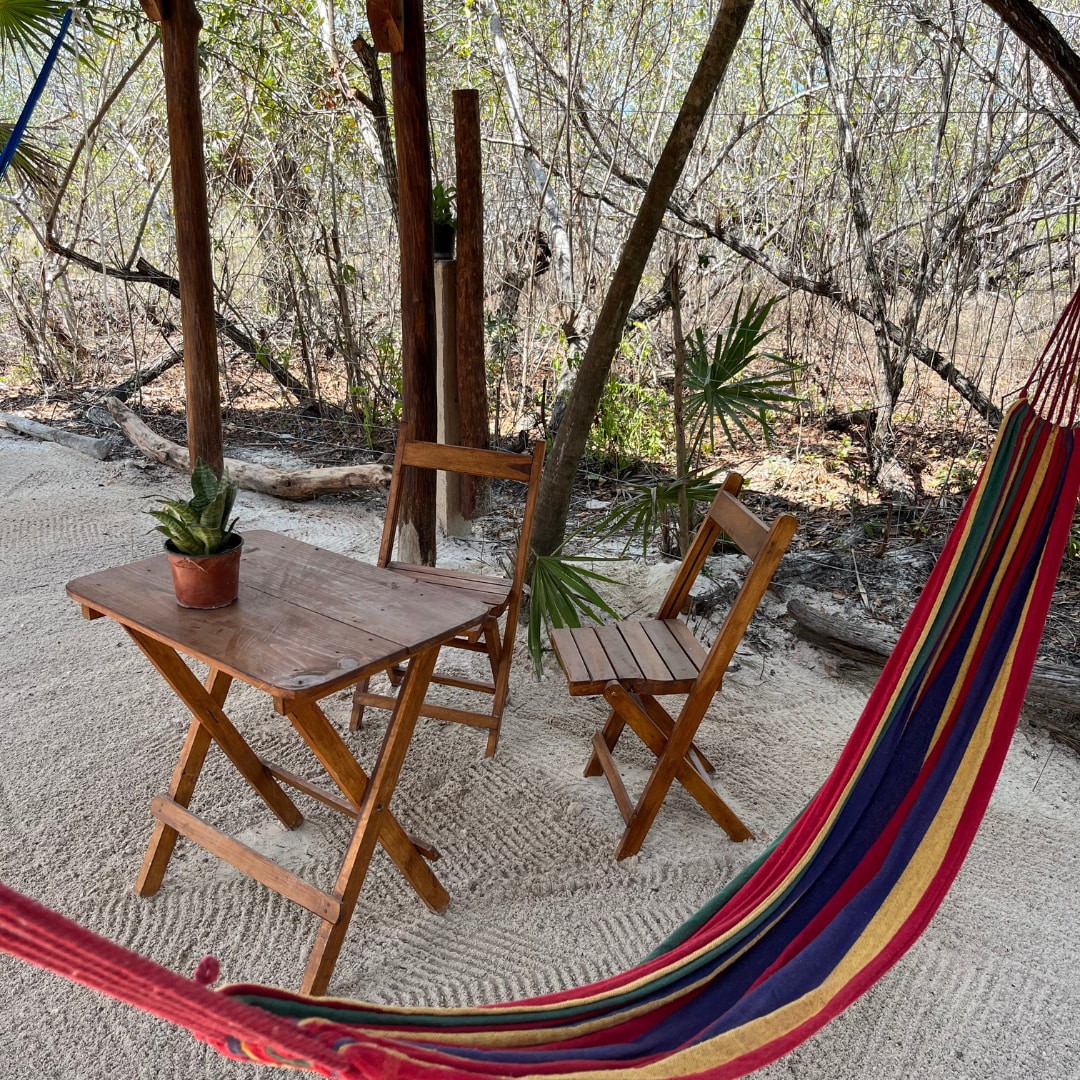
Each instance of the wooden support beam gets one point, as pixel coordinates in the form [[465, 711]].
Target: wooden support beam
[[471, 368], [180, 26], [387, 21], [418, 337]]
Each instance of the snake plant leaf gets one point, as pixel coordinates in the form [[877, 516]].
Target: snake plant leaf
[[212, 515], [208, 537], [204, 485], [179, 510], [177, 532], [196, 527]]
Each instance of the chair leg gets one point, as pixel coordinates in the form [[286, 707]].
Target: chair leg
[[613, 728], [499, 659], [357, 715], [664, 722], [647, 717]]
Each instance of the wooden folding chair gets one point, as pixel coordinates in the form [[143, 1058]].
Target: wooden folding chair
[[502, 595], [632, 663]]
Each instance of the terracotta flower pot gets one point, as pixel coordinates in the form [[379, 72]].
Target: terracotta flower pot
[[206, 581]]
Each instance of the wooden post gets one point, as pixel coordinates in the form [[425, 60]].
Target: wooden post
[[180, 26], [448, 485], [471, 369], [418, 359]]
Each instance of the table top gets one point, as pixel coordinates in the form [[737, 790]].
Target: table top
[[307, 622]]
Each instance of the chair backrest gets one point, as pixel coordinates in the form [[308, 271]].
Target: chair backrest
[[764, 544], [463, 460]]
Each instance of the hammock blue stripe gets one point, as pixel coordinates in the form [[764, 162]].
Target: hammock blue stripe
[[17, 132]]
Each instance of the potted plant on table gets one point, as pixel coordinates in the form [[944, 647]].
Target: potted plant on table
[[443, 219], [203, 550]]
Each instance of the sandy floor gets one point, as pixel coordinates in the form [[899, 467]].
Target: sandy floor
[[90, 733]]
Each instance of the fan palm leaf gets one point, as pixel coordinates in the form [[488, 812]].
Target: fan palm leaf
[[28, 27]]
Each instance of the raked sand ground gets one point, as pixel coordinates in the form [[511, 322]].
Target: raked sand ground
[[89, 734]]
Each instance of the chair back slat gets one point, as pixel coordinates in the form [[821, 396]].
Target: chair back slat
[[770, 552], [740, 523], [679, 591], [441, 457], [497, 464]]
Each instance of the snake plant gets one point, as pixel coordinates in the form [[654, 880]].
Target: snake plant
[[198, 527]]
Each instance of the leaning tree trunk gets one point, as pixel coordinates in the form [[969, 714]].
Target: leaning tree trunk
[[1044, 39], [569, 446]]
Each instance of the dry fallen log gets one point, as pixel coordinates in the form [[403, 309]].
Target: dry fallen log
[[99, 448], [146, 375], [284, 483], [873, 642]]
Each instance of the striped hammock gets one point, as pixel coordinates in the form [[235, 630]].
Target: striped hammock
[[802, 932]]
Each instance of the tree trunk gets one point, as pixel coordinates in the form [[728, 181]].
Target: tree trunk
[[885, 470], [562, 463], [1044, 39]]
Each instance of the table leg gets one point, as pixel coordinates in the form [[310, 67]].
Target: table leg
[[220, 728], [372, 819], [310, 721], [192, 756]]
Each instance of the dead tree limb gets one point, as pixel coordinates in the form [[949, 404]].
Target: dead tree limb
[[145, 375], [99, 448], [873, 642], [284, 483]]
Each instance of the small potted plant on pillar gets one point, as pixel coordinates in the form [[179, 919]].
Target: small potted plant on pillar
[[444, 220], [203, 550]]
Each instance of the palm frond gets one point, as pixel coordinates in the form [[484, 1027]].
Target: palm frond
[[718, 388], [562, 592], [28, 27], [32, 163], [640, 513]]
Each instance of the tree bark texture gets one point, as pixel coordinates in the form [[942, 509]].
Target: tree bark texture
[[471, 368], [99, 448], [375, 103], [180, 38], [418, 343], [565, 456], [872, 642], [1044, 39]]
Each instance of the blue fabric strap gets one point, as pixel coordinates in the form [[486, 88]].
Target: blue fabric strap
[[18, 130]]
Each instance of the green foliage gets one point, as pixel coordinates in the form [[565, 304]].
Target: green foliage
[[32, 162], [1072, 547], [198, 526], [719, 387], [561, 594], [442, 204], [29, 26], [642, 513], [633, 423]]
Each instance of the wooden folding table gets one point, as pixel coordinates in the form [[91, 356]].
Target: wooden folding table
[[308, 623]]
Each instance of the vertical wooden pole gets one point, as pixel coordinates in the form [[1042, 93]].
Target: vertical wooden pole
[[472, 374], [409, 83], [448, 484], [180, 26]]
